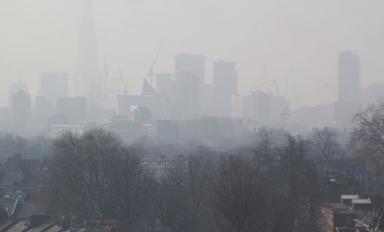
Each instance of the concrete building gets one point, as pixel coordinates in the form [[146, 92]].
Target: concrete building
[[21, 111], [187, 88], [257, 106], [266, 109], [190, 65], [186, 98], [349, 94]]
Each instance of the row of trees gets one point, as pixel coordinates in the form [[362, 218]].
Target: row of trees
[[267, 187]]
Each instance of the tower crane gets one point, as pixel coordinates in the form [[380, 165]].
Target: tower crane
[[151, 72]]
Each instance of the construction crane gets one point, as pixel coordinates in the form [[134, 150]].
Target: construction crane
[[151, 72], [276, 87]]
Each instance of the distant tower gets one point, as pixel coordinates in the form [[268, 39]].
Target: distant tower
[[348, 102], [190, 65], [189, 80], [88, 78], [21, 111]]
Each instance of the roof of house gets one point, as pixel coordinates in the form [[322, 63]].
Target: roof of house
[[361, 201]]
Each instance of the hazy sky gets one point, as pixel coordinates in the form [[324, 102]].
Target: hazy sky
[[294, 42]]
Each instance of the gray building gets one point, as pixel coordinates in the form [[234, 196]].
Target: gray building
[[349, 91], [187, 88], [190, 65], [21, 111]]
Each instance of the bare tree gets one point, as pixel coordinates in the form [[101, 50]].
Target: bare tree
[[325, 144], [171, 194], [200, 172], [299, 177], [265, 152], [239, 197], [368, 141], [95, 176]]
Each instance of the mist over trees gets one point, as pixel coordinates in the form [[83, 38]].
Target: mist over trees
[[278, 182], [271, 185]]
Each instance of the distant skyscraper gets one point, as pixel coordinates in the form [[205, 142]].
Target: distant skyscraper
[[257, 106], [88, 77], [186, 97], [190, 65], [225, 86], [189, 79], [15, 88], [349, 93], [21, 111]]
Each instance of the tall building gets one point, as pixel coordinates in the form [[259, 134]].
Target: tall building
[[186, 97], [257, 106], [15, 88], [225, 86], [266, 109], [189, 79], [190, 65], [21, 111], [349, 95], [88, 77]]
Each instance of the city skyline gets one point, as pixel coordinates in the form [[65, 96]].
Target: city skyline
[[260, 55]]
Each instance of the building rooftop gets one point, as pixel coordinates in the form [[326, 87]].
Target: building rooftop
[[361, 201], [349, 197]]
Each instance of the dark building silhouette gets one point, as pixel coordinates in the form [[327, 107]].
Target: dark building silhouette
[[349, 88]]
